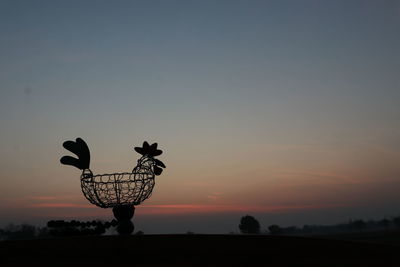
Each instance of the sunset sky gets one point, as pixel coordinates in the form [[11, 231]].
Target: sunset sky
[[285, 110]]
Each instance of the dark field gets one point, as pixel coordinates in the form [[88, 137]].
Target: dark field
[[196, 250]]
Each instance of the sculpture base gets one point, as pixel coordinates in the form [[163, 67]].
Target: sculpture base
[[124, 214]]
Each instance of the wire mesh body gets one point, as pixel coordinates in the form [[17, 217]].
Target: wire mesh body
[[110, 190]]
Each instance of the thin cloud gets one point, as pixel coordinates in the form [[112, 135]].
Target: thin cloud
[[316, 178], [215, 196], [41, 198], [51, 198], [61, 205], [190, 209]]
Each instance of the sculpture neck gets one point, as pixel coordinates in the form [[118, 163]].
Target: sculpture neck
[[146, 161], [86, 173]]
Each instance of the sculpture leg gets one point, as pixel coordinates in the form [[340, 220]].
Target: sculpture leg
[[124, 214]]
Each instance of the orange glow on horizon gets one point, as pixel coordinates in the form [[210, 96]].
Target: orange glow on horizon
[[182, 209]]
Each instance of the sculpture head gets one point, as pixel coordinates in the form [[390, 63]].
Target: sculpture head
[[151, 151]]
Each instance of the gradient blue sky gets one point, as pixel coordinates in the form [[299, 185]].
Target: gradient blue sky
[[286, 110]]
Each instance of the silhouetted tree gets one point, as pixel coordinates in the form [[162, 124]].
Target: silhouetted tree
[[358, 224], [249, 225], [23, 231], [385, 223], [396, 221], [275, 229], [291, 230]]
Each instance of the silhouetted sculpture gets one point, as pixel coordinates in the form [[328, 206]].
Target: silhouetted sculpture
[[120, 191], [249, 225]]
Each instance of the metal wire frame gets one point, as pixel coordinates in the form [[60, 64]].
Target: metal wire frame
[[114, 189]]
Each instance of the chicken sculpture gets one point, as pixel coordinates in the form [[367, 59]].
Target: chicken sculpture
[[120, 191]]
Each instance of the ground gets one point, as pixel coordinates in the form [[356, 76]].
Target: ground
[[196, 250]]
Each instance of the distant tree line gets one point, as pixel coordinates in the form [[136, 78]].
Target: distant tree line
[[250, 225], [358, 225], [78, 228], [56, 228], [23, 231]]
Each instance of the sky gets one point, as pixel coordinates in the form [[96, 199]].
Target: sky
[[284, 110]]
